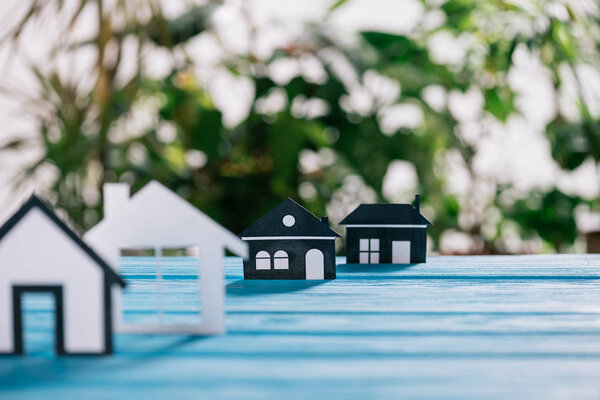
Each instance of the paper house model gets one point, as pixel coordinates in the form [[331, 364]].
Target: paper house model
[[39, 253], [386, 234], [290, 243], [156, 218]]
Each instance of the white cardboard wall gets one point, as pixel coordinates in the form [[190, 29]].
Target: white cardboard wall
[[157, 217], [37, 252]]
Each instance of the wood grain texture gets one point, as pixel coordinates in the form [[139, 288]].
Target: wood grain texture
[[457, 327]]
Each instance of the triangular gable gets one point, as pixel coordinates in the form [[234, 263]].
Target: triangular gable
[[159, 196], [305, 224], [34, 201]]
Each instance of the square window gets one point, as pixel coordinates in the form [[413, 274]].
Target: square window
[[281, 263], [374, 258], [263, 263], [374, 245], [133, 311], [364, 244], [364, 258], [169, 288], [181, 295]]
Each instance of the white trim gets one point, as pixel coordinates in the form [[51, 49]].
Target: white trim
[[289, 238], [385, 226]]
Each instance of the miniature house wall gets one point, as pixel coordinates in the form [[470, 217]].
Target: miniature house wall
[[386, 234], [156, 218], [39, 253], [289, 242]]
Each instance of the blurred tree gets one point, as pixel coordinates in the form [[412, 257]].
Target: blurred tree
[[343, 120], [540, 214], [563, 37]]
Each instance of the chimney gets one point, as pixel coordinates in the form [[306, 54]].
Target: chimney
[[116, 196], [325, 220], [417, 203]]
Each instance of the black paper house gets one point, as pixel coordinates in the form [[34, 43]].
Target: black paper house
[[290, 243], [386, 234]]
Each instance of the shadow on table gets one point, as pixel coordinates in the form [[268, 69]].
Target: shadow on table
[[349, 268], [257, 287], [26, 372], [23, 372], [155, 345]]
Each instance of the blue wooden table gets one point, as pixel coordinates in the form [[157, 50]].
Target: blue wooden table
[[457, 327]]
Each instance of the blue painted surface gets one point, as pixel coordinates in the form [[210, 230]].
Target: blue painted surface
[[456, 327]]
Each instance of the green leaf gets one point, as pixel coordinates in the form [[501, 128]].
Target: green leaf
[[336, 5], [169, 33], [397, 47], [550, 215], [286, 137], [459, 14], [569, 143], [563, 40], [499, 102]]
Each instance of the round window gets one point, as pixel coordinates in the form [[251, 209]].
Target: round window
[[289, 220]]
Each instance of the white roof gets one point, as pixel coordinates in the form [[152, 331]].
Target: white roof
[[158, 216]]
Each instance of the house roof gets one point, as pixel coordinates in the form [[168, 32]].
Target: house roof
[[35, 202], [389, 214], [304, 223], [157, 201]]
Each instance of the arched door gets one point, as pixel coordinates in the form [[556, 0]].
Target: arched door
[[315, 264]]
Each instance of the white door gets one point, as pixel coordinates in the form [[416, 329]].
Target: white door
[[315, 264], [401, 252]]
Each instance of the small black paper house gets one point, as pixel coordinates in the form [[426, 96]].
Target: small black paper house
[[386, 234], [39, 253], [290, 243]]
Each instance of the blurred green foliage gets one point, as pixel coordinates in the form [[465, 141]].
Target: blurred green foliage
[[541, 213], [238, 173]]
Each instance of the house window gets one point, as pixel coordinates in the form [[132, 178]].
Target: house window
[[167, 290], [289, 220], [369, 251], [281, 260], [263, 260]]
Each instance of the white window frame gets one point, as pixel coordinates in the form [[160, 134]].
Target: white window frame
[[281, 260], [263, 260], [159, 263], [369, 249]]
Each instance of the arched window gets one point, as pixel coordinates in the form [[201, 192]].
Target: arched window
[[281, 260], [263, 260]]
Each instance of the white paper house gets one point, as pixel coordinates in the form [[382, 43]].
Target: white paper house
[[39, 253], [156, 218]]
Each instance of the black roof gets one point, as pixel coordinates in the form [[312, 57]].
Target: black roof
[[385, 214], [34, 201], [306, 224]]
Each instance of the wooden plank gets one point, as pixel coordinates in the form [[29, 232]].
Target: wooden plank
[[456, 327], [159, 378]]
